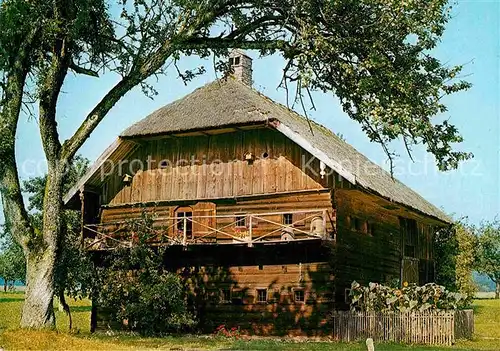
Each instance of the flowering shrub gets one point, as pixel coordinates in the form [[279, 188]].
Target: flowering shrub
[[381, 298], [221, 330]]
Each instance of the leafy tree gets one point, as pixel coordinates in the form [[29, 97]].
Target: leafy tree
[[466, 258], [445, 253], [489, 252], [373, 54], [455, 252]]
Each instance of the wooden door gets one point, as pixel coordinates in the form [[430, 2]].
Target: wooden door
[[204, 222]]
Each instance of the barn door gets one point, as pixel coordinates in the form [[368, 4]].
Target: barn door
[[204, 222]]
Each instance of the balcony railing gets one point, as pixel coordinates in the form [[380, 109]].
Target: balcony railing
[[236, 228]]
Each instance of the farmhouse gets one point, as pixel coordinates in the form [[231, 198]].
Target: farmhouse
[[275, 214]]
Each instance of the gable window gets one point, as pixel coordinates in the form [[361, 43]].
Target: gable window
[[237, 60], [299, 295], [287, 218], [261, 295], [240, 221]]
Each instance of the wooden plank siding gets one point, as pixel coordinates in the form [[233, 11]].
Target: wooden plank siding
[[203, 167]]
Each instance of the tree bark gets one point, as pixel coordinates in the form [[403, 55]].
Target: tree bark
[[38, 310], [497, 289], [65, 307]]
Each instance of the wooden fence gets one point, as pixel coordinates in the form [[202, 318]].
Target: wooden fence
[[435, 328]]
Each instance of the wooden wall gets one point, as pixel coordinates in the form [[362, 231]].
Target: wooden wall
[[281, 269], [218, 170], [372, 249], [316, 199]]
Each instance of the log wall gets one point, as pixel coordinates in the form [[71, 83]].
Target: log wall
[[371, 241]]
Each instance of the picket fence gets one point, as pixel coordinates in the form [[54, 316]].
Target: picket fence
[[432, 327]]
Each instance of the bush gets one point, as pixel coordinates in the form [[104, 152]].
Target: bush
[[138, 293], [380, 298]]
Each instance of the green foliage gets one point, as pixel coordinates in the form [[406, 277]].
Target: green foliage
[[381, 298], [12, 262], [445, 254], [372, 54], [466, 259], [455, 252], [489, 252], [137, 291]]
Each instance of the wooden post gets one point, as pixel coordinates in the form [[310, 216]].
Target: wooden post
[[82, 216], [184, 239]]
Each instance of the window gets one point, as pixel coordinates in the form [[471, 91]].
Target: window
[[409, 250], [298, 295], [183, 217], [355, 224], [409, 232], [237, 60], [287, 218], [261, 295], [370, 228], [237, 296], [225, 295], [241, 221], [347, 296], [231, 61]]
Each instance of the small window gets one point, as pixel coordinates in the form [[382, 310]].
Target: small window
[[409, 250], [237, 60], [261, 295], [287, 218], [356, 224], [225, 295], [370, 228], [231, 61], [241, 221], [298, 295], [181, 221], [237, 296], [347, 296]]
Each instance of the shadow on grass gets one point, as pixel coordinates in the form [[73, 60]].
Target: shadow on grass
[[11, 299], [78, 309]]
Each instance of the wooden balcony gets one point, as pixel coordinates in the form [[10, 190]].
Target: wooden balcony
[[240, 229]]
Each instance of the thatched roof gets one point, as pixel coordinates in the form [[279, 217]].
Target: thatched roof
[[231, 103]]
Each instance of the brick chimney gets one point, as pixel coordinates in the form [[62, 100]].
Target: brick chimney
[[242, 66]]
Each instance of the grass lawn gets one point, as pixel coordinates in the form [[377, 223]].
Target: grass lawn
[[487, 313]]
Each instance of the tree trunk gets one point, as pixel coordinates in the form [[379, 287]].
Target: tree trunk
[[65, 307], [38, 310], [497, 290]]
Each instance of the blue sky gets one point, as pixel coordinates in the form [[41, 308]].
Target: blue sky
[[472, 38]]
